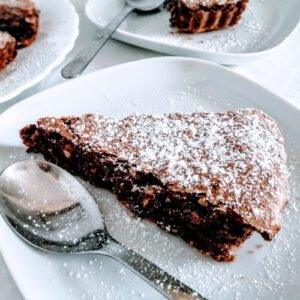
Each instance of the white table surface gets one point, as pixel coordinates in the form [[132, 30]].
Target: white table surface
[[280, 72]]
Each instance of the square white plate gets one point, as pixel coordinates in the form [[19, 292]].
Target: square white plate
[[264, 27], [263, 270]]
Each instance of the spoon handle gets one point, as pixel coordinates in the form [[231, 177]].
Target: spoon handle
[[79, 63], [166, 284]]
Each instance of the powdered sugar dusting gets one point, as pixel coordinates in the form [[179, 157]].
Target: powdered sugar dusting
[[232, 160]]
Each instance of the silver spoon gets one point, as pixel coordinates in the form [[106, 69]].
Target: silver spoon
[[79, 63], [51, 210]]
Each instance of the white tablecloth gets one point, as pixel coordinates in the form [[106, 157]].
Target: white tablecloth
[[279, 72]]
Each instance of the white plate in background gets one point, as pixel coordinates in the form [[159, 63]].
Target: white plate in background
[[263, 270], [58, 30], [264, 27]]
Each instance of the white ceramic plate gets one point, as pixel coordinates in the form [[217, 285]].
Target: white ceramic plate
[[57, 34], [264, 27], [263, 270]]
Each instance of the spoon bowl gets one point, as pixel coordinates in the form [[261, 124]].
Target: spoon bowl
[[51, 210]]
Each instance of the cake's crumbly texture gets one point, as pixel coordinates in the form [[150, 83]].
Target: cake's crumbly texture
[[7, 49], [212, 178], [20, 18], [196, 16]]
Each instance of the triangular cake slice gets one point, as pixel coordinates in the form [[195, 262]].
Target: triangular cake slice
[[212, 178]]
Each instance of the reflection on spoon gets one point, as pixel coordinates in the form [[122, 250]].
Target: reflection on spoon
[[51, 210]]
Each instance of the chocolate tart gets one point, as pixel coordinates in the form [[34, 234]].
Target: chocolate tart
[[20, 18], [195, 16], [211, 178]]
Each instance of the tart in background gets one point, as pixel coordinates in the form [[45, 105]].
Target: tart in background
[[195, 16]]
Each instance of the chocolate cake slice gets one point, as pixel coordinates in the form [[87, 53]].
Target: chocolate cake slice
[[212, 178], [20, 18], [195, 16], [7, 49]]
